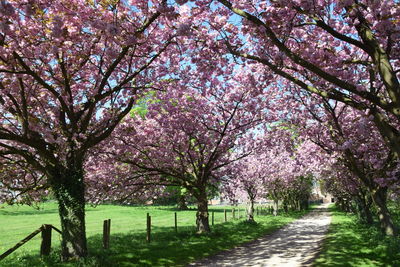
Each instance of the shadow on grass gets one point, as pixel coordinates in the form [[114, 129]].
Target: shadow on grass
[[351, 243], [167, 248], [28, 212]]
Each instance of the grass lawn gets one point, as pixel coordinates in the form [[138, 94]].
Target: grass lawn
[[128, 246], [351, 243]]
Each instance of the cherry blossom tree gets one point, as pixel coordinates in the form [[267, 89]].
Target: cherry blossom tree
[[354, 60], [280, 169], [352, 138], [246, 181], [288, 177], [347, 188], [69, 72], [187, 135]]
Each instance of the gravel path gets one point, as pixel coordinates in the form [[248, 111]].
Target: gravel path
[[294, 245]]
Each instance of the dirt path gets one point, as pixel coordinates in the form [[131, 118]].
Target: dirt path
[[294, 245]]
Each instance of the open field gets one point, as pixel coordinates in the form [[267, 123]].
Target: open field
[[128, 230], [351, 243]]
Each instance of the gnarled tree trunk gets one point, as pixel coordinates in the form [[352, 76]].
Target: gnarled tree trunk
[[69, 190], [385, 219]]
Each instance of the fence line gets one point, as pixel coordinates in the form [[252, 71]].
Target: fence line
[[46, 238], [45, 246]]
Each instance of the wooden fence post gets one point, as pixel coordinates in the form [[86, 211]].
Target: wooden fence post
[[45, 246], [233, 213], [225, 215], [238, 213], [257, 211], [212, 218], [106, 233], [109, 231], [148, 232], [176, 223]]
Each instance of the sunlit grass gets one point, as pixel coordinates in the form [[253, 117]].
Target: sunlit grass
[[351, 243], [128, 246]]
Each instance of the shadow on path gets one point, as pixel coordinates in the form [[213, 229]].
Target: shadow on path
[[294, 245]]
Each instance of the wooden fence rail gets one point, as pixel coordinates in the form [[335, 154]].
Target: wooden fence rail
[[20, 243], [45, 245]]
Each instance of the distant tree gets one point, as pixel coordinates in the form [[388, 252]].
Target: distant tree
[[246, 181]]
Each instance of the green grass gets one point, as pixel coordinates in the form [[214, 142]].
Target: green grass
[[128, 244], [351, 243]]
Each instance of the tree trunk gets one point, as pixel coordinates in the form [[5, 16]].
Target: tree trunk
[[276, 207], [385, 219], [304, 205], [364, 209], [69, 190], [368, 204], [285, 206], [250, 211], [339, 203], [202, 222], [343, 204]]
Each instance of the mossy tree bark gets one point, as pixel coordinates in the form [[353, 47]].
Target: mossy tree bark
[[69, 189]]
